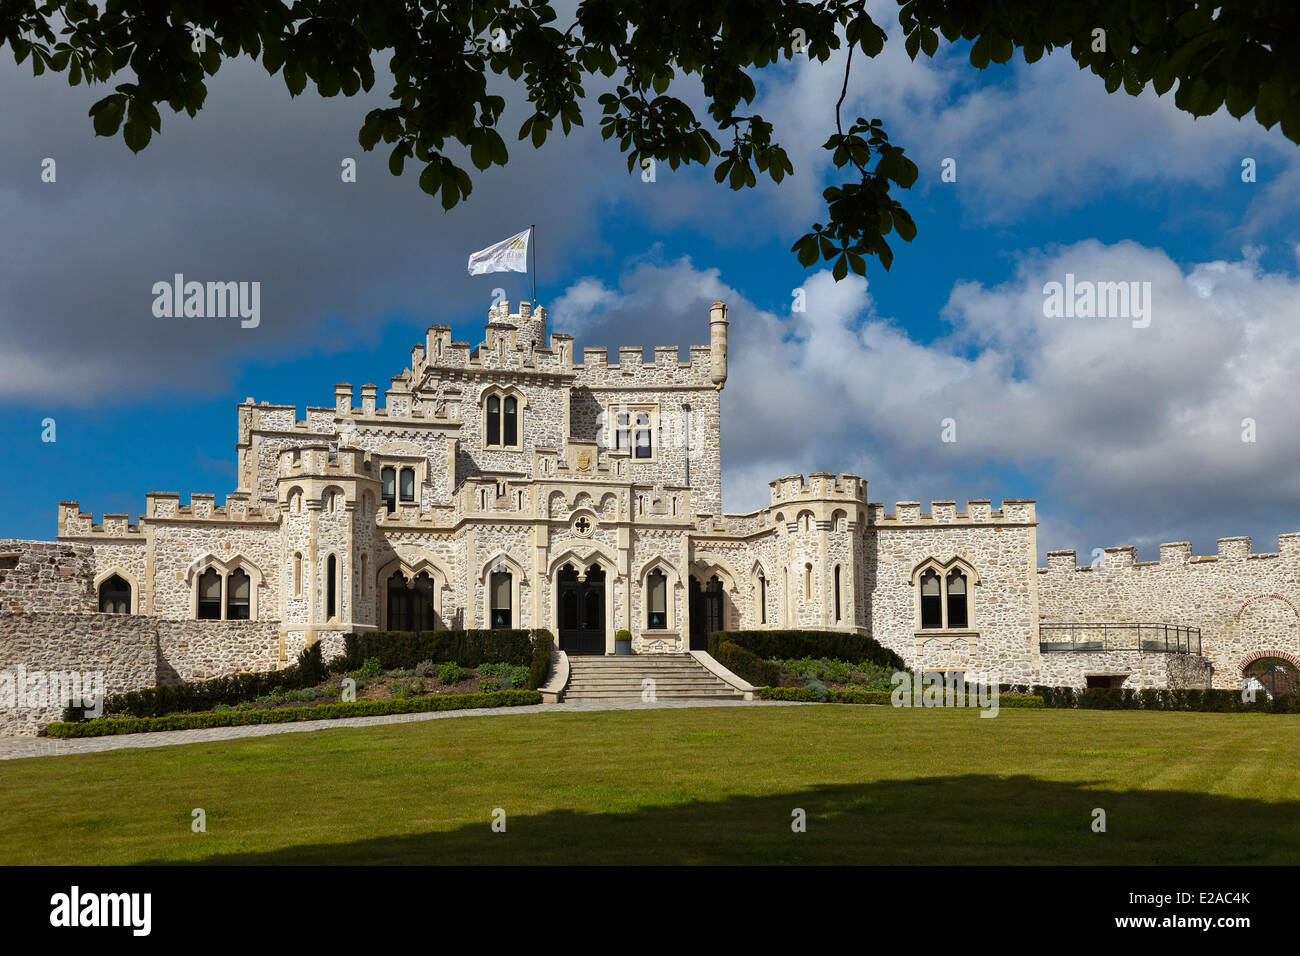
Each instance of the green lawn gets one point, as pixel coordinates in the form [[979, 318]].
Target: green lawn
[[879, 785]]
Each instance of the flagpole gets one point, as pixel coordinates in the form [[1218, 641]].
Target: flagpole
[[533, 243]]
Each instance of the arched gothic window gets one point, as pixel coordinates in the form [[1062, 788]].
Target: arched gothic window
[[510, 421], [115, 596], [493, 420], [210, 595], [388, 488], [945, 596], [238, 595], [656, 601]]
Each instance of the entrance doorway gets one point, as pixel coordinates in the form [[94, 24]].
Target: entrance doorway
[[582, 610], [706, 611], [1274, 675]]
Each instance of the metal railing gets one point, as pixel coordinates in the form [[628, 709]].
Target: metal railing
[[1161, 638]]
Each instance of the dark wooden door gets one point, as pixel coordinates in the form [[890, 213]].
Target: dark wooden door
[[582, 611], [706, 612]]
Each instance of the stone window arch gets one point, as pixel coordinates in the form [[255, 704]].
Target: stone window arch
[[501, 579], [659, 585], [224, 590], [116, 594], [333, 568], [944, 595], [839, 601], [503, 417]]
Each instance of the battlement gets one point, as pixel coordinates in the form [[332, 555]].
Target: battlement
[[322, 459], [75, 523], [517, 340], [161, 505], [1019, 511], [265, 417], [1175, 553], [819, 486]]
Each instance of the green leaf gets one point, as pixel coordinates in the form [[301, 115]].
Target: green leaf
[[431, 177], [295, 78], [107, 114]]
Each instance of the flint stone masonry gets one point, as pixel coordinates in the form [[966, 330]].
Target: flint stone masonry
[[120, 647], [46, 576], [1244, 604], [412, 493]]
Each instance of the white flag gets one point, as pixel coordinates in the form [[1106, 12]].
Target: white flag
[[509, 255]]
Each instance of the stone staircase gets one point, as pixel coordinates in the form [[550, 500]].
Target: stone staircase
[[675, 676]]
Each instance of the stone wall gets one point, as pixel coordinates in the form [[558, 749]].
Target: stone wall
[[199, 650], [121, 649], [1246, 605], [52, 576], [1139, 669]]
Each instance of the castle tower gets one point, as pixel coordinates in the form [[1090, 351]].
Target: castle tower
[[718, 342], [529, 327]]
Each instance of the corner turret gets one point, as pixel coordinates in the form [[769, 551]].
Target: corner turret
[[718, 343]]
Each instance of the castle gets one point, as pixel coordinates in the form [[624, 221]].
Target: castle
[[520, 483]]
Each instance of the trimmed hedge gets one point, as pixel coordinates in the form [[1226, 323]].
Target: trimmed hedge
[[110, 726], [787, 645], [1216, 701], [745, 664], [876, 697], [540, 666], [404, 649], [204, 695]]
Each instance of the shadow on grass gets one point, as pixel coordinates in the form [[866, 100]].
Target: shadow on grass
[[971, 819]]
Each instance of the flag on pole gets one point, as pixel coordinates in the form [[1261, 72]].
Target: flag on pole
[[509, 255]]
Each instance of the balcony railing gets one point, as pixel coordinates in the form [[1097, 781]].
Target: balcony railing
[[1161, 638]]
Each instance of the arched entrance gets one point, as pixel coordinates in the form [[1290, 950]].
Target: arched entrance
[[581, 609], [410, 603], [1273, 675], [706, 611]]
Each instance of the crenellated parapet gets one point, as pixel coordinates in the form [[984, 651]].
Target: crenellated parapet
[[75, 523], [819, 486], [979, 511], [1173, 554], [160, 506]]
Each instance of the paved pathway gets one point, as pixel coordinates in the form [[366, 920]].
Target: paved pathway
[[13, 748]]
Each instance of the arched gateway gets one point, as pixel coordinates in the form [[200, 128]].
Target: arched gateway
[[581, 605]]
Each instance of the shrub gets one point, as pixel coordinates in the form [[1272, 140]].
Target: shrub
[[311, 667], [425, 669], [623, 636], [470, 648], [817, 687], [452, 673], [747, 665], [820, 645], [489, 684], [539, 667], [339, 664], [107, 726], [204, 695], [1216, 700], [369, 668]]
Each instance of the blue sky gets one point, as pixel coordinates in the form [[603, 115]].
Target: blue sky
[[1123, 435]]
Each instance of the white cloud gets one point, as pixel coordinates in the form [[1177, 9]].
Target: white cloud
[[1136, 432]]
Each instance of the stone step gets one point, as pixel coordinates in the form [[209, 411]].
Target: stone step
[[676, 695], [676, 677], [662, 684]]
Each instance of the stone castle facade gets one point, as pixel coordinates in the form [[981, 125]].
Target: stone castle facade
[[521, 483]]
